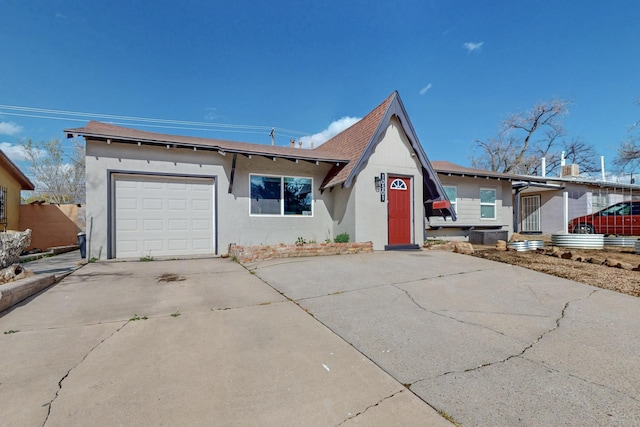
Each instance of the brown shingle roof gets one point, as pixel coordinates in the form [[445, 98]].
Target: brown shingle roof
[[123, 134], [8, 165], [352, 143], [349, 150]]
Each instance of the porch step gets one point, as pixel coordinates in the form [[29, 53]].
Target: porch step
[[401, 247]]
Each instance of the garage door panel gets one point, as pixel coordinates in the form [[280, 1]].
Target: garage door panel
[[128, 203], [200, 205], [202, 244], [178, 244], [178, 225], [129, 245], [159, 216], [153, 185], [177, 186], [127, 225], [155, 246], [177, 204], [153, 225], [200, 225], [152, 204]]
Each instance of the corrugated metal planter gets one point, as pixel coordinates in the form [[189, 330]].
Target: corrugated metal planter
[[536, 244], [578, 241], [625, 242], [638, 246], [519, 246]]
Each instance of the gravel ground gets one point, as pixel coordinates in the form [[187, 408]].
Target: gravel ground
[[602, 276]]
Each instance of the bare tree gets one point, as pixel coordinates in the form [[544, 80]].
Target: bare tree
[[628, 157], [59, 175], [575, 151], [524, 138]]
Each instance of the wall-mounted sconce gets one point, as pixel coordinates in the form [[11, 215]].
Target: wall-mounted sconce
[[381, 186]]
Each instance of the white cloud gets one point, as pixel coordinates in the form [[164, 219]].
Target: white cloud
[[471, 47], [9, 128], [425, 89], [13, 151], [332, 130]]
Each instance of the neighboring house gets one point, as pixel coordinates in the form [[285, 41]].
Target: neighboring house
[[486, 200], [481, 199], [151, 194], [12, 181], [541, 204]]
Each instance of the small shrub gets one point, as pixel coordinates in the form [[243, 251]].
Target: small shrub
[[300, 241], [342, 238], [146, 258]]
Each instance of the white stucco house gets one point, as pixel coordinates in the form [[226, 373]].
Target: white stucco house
[[151, 194]]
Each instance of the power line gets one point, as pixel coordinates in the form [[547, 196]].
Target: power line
[[52, 114]]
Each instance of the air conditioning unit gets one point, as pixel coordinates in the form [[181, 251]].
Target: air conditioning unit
[[571, 170]]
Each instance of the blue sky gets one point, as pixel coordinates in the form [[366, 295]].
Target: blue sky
[[460, 66]]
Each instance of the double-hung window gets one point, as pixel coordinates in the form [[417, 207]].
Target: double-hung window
[[452, 195], [281, 195], [487, 203]]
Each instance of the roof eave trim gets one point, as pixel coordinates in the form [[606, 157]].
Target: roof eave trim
[[210, 147], [25, 183]]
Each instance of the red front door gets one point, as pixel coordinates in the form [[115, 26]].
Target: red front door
[[399, 194]]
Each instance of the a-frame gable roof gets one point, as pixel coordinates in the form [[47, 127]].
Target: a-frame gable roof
[[359, 141], [352, 143]]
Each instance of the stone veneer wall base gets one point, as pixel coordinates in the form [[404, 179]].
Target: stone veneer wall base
[[247, 254]]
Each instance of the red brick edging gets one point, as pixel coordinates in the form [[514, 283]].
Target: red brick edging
[[256, 253]]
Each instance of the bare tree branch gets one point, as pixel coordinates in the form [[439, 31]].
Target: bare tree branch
[[59, 176], [516, 150]]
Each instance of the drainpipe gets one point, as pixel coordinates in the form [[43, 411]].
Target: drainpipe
[[565, 199], [516, 210]]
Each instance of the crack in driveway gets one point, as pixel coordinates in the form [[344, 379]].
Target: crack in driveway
[[542, 365], [527, 348], [64, 377], [369, 407]]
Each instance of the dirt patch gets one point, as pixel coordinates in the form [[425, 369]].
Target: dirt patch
[[577, 268], [170, 277]]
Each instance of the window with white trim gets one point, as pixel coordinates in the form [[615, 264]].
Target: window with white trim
[[487, 203], [452, 195], [281, 195]]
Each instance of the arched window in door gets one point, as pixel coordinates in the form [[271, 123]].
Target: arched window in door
[[398, 184]]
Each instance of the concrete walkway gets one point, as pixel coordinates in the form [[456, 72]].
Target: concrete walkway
[[57, 264]]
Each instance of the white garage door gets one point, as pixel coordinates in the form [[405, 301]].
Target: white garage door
[[159, 216]]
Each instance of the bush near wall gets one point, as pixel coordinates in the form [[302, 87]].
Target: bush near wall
[[256, 253]]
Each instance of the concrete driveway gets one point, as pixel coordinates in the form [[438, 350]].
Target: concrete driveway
[[346, 340], [198, 342], [486, 343]]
